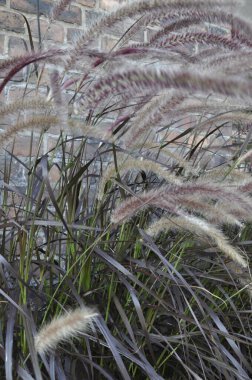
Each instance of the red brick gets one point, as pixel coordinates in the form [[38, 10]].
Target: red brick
[[87, 3], [71, 15], [110, 5], [12, 21], [54, 33], [1, 44]]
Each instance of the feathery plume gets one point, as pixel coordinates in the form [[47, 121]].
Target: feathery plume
[[199, 227], [44, 122], [144, 80], [63, 328], [133, 205], [185, 18], [228, 61], [244, 157], [150, 148], [201, 38], [132, 164], [189, 18], [173, 197], [202, 108], [55, 87], [215, 214], [19, 63], [150, 116], [134, 9], [231, 116], [25, 104]]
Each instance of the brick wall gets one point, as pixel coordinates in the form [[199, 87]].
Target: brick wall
[[14, 40]]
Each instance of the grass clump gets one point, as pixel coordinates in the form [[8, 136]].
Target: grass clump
[[141, 209]]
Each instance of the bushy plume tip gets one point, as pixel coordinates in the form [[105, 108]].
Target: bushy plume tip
[[63, 328], [199, 227]]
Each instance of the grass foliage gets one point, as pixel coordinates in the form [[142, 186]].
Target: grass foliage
[[138, 219]]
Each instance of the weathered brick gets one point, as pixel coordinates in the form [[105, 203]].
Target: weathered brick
[[87, 3], [24, 146], [2, 73], [30, 6], [19, 92], [109, 5], [52, 141], [2, 98], [1, 43], [91, 17], [71, 15], [17, 175], [12, 21], [54, 33], [73, 34], [54, 174], [17, 46]]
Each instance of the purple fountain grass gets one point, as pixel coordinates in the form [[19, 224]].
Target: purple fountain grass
[[25, 104], [138, 203], [133, 9], [228, 62], [56, 87], [151, 115], [202, 228], [19, 63], [201, 38], [170, 203], [174, 197], [43, 122], [189, 18], [217, 215], [145, 128], [63, 328], [145, 80], [126, 164]]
